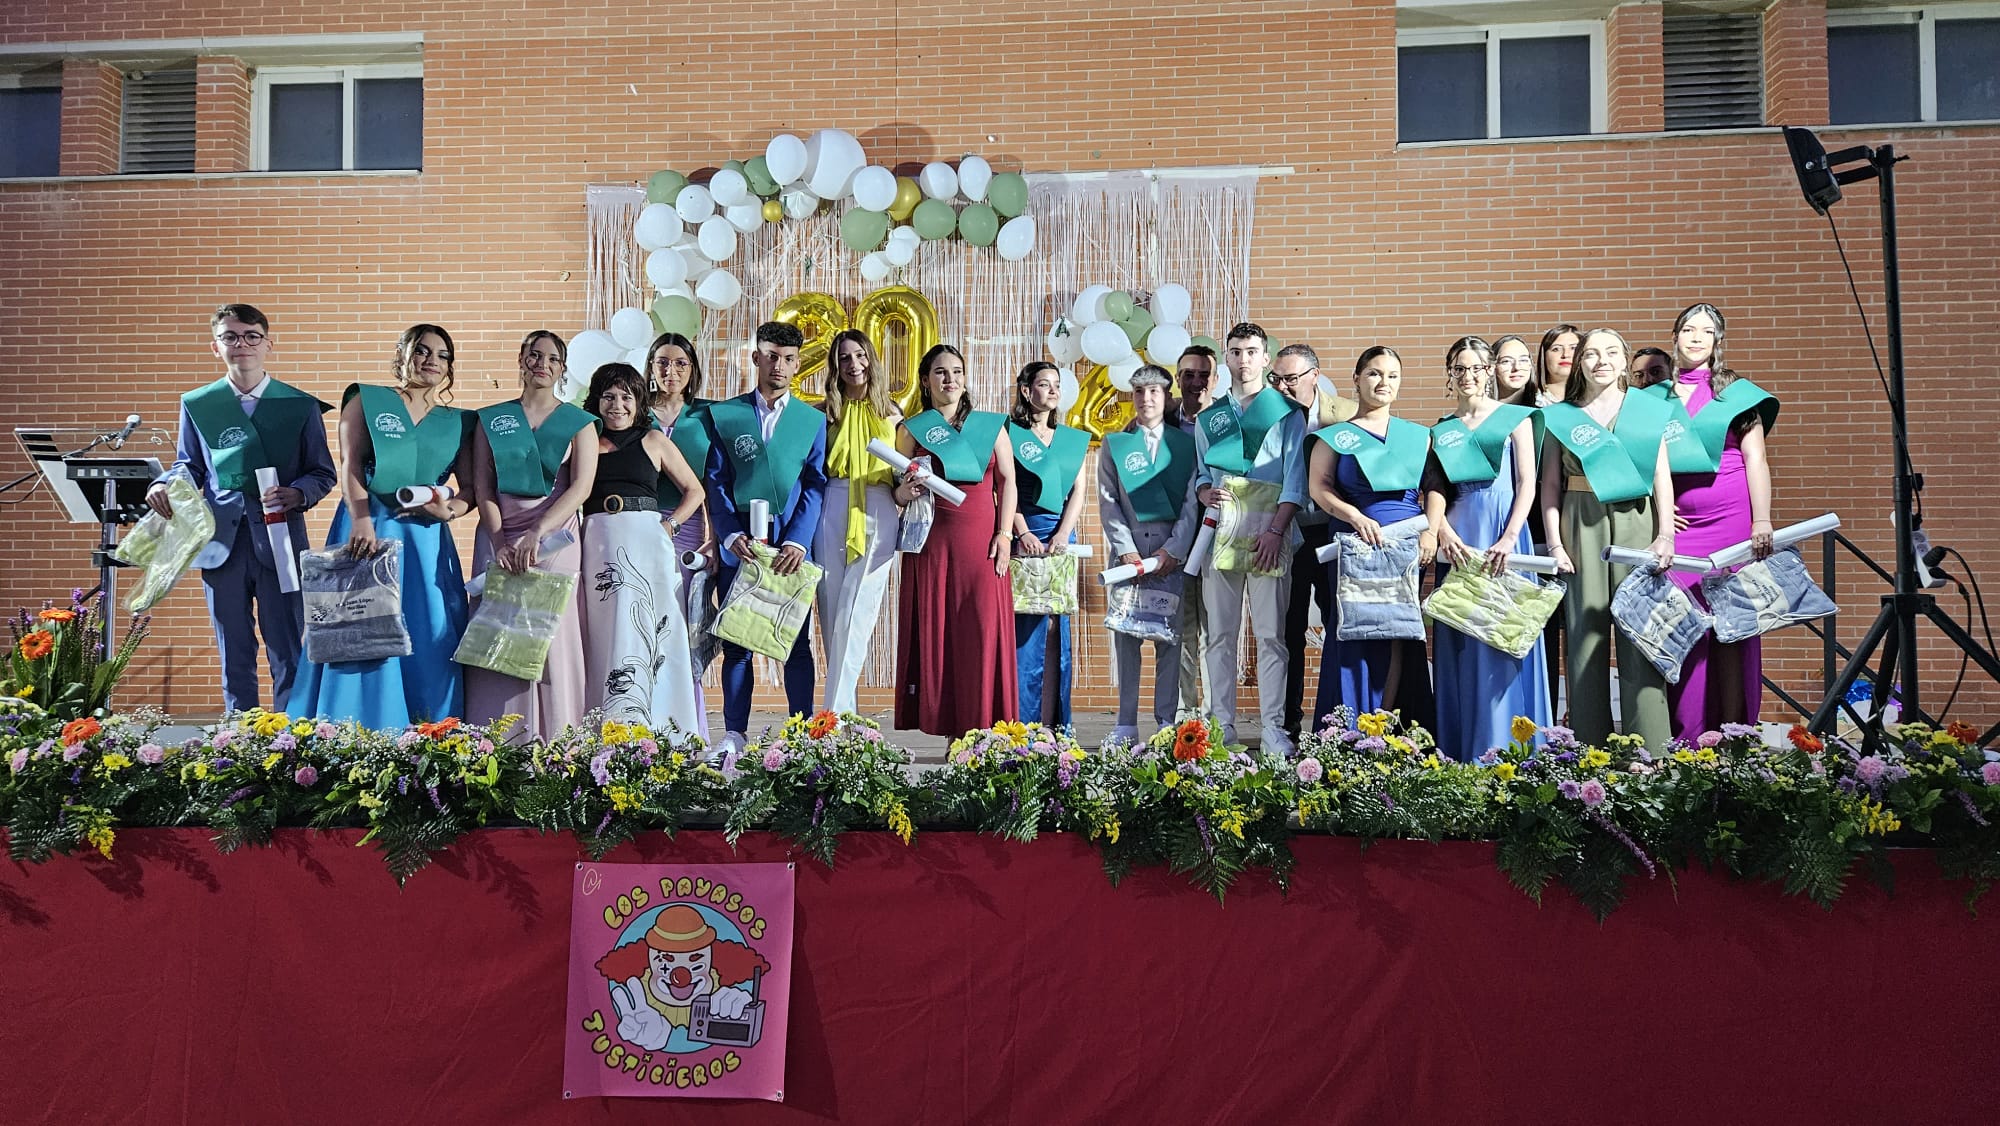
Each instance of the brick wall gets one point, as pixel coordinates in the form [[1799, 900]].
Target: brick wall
[[1795, 62], [90, 108], [222, 115], [109, 283], [1634, 76]]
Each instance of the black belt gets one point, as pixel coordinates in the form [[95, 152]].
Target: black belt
[[616, 503]]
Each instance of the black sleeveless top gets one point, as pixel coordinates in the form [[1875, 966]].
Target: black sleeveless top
[[625, 472]]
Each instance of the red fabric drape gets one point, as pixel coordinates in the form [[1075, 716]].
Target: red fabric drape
[[972, 980]]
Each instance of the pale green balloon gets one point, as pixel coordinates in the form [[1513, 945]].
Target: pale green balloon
[[1118, 306], [979, 224], [863, 230], [1008, 193], [674, 313], [934, 219], [664, 186]]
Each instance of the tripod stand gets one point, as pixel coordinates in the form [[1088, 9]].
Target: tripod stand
[[1894, 630]]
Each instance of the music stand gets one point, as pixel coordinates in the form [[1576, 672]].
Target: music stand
[[105, 491]]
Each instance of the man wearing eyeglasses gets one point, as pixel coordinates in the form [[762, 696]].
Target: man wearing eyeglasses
[[1295, 373], [230, 429]]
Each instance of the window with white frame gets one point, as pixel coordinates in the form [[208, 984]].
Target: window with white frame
[[312, 119], [1510, 80], [30, 124], [1913, 64]]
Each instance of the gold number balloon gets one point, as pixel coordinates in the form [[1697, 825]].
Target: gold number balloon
[[1100, 408], [818, 317], [900, 305]]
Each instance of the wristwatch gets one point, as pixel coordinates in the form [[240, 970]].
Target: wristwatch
[[673, 527]]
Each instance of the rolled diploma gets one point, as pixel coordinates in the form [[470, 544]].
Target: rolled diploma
[[937, 485], [1204, 541], [1537, 564], [280, 532], [1783, 537], [693, 560], [760, 521], [1638, 557], [1126, 572], [416, 496], [1407, 526]]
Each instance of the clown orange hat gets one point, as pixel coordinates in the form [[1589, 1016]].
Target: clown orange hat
[[679, 929]]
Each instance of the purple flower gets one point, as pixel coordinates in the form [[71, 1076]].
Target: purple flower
[[1738, 730], [1309, 770], [870, 734], [1709, 739], [648, 748], [1592, 793], [1558, 736], [151, 753], [1870, 769], [72, 751], [485, 746], [408, 739], [1491, 757], [1371, 744], [223, 738], [1990, 774], [1569, 789], [18, 761], [774, 759], [600, 766], [222, 764], [325, 730], [285, 741], [305, 775]]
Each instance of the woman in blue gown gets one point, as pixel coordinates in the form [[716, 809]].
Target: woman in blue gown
[[1483, 483], [391, 437], [1365, 473]]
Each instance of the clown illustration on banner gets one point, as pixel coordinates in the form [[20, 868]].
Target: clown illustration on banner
[[680, 981]]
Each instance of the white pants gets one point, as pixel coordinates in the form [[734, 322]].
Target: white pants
[[1223, 594], [850, 593]]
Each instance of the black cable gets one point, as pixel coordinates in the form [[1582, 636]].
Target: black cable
[[1881, 376], [32, 489], [1985, 625], [1964, 659]]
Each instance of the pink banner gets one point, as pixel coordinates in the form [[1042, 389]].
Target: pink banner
[[680, 981]]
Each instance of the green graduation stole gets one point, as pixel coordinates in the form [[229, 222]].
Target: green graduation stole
[[962, 453], [525, 459], [1051, 468], [405, 452], [1467, 455], [1392, 463], [1233, 443], [1619, 461], [1685, 453], [1711, 423], [238, 444], [764, 471], [690, 436], [1156, 486]]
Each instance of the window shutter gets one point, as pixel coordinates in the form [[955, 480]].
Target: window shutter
[[1714, 70], [158, 127]]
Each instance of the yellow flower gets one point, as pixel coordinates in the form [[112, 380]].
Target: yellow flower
[[201, 771], [272, 759], [101, 837], [1382, 766], [1504, 772], [370, 801], [270, 723], [25, 691], [1594, 758], [1431, 761], [678, 759], [1109, 829], [659, 774], [1707, 756], [1524, 729], [302, 728], [113, 763], [1374, 723], [1231, 821], [1400, 745], [1170, 779], [899, 822], [622, 798], [1015, 731]]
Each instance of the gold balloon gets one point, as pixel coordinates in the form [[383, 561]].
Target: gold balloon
[[1100, 408], [774, 212], [818, 317], [899, 305], [908, 196]]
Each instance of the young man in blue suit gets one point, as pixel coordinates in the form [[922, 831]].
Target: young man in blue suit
[[766, 445], [230, 429]]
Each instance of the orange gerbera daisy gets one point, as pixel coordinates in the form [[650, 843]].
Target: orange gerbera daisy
[[442, 727], [78, 730], [57, 615], [1963, 732], [37, 644], [1805, 740], [1191, 740], [822, 724]]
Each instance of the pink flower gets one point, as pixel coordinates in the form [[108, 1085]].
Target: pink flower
[[486, 746], [1592, 793], [1309, 770], [305, 775], [1709, 739], [1990, 774], [774, 759], [223, 738], [18, 761], [325, 730], [151, 753], [872, 735], [1870, 769], [409, 739], [648, 748]]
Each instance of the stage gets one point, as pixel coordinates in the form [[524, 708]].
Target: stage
[[967, 979]]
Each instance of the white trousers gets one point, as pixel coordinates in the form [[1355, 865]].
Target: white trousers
[[850, 593], [1223, 595]]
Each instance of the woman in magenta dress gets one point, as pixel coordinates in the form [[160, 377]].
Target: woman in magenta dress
[[955, 664], [1722, 492]]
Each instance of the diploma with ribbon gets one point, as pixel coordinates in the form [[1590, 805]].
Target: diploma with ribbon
[[279, 529], [1204, 541], [937, 485]]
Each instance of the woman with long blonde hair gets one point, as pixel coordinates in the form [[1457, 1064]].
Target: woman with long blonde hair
[[856, 539]]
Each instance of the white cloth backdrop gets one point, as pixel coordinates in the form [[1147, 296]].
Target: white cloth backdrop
[[1129, 230]]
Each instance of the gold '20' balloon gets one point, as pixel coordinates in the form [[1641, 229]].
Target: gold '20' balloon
[[818, 316], [1100, 408], [900, 305]]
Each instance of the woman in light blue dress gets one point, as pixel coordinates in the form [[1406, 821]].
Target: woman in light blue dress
[[1483, 482], [392, 437]]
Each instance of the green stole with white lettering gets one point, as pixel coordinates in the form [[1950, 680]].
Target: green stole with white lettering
[[1232, 442], [764, 471], [961, 452], [1469, 455], [1393, 462], [1619, 461], [1156, 485], [406, 452], [1048, 472], [526, 459], [238, 444]]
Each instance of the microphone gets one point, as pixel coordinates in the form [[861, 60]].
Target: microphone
[[118, 439]]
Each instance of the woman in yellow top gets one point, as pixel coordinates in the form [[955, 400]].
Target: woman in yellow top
[[856, 540]]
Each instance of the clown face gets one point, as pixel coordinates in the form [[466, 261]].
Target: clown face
[[678, 978]]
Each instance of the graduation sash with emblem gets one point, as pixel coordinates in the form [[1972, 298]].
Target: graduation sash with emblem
[[1712, 421], [1156, 486], [764, 471], [406, 452], [526, 459], [238, 444], [962, 453], [1618, 461], [1469, 455], [1232, 442], [1048, 472], [1393, 462], [690, 436]]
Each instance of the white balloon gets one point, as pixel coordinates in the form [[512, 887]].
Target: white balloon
[[900, 252], [657, 226], [1120, 372], [1089, 305], [874, 266], [694, 204], [681, 290], [906, 233], [717, 239], [1165, 344], [637, 358], [589, 350], [785, 157], [974, 174], [1065, 341], [697, 266], [1071, 391], [833, 156], [875, 188], [938, 180], [1171, 304], [746, 217], [1017, 238], [666, 268], [729, 188], [1104, 342], [719, 290], [799, 203], [631, 328]]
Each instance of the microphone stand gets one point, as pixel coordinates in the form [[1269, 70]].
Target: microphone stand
[[107, 540]]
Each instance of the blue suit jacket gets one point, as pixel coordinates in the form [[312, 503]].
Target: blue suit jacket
[[308, 468], [796, 522]]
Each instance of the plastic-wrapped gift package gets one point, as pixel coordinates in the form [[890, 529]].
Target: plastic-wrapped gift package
[[1377, 589], [764, 610], [702, 645], [1764, 595], [1507, 611], [1659, 618], [1044, 584], [354, 607], [1247, 509], [914, 529], [164, 547], [1148, 608], [516, 621]]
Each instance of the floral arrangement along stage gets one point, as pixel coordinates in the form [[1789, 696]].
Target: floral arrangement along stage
[[818, 778]]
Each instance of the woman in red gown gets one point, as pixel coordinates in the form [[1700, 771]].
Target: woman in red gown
[[955, 666]]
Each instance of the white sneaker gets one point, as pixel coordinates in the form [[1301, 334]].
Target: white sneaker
[[1122, 734], [1277, 742], [732, 744]]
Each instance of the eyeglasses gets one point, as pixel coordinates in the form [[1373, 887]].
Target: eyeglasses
[[664, 362], [232, 339], [1515, 362], [1475, 369], [1278, 377]]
